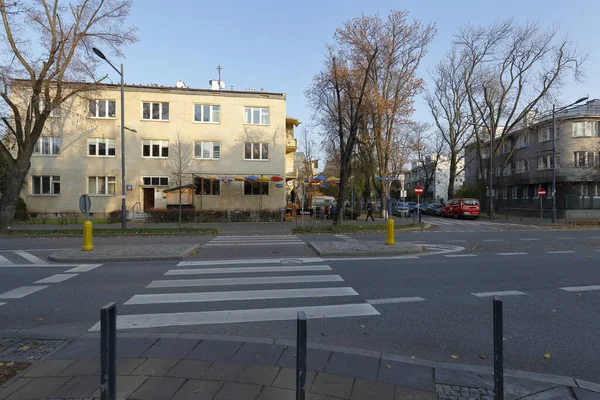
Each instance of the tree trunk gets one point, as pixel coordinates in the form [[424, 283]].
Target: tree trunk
[[452, 176], [341, 193], [179, 208], [10, 195]]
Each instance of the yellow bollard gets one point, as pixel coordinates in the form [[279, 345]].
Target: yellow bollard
[[390, 232], [87, 236]]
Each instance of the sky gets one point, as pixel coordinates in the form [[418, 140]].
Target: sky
[[280, 45]]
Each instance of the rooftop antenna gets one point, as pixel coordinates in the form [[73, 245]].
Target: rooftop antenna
[[219, 68]]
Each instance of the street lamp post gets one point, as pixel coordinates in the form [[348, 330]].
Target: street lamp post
[[491, 193], [123, 206]]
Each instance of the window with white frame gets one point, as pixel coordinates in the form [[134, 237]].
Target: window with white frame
[[207, 187], [507, 171], [498, 170], [47, 146], [256, 115], [155, 111], [525, 192], [544, 134], [545, 162], [45, 185], [101, 108], [56, 110], [597, 190], [515, 192], [207, 113], [585, 159], [522, 166], [506, 146], [155, 181], [256, 151], [207, 150], [585, 129], [98, 147], [522, 140], [155, 148], [101, 185], [585, 189]]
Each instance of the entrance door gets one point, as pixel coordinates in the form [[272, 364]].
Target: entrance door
[[148, 199]]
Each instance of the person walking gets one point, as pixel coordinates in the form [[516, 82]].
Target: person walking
[[293, 197], [369, 212]]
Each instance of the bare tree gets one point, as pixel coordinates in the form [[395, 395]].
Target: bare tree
[[179, 164], [35, 80], [428, 148], [309, 148]]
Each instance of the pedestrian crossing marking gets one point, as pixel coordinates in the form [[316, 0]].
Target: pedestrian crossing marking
[[243, 281], [21, 292], [4, 260], [57, 278], [256, 240], [236, 270], [250, 261], [30, 257]]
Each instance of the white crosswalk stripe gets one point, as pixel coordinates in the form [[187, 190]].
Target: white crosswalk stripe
[[255, 240], [19, 257], [229, 292]]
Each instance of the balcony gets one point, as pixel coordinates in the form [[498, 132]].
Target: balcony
[[291, 145], [291, 173]]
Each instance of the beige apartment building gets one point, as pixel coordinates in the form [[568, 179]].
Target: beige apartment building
[[242, 147]]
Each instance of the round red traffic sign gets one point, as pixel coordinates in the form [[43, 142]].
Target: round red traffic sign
[[541, 192], [419, 190]]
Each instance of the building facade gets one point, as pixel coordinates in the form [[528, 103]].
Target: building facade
[[436, 189], [523, 163], [240, 144]]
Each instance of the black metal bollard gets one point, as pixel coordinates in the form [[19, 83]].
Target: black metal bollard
[[498, 351], [301, 356], [108, 352]]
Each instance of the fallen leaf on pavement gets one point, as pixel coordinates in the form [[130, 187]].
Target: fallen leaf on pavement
[[505, 339], [578, 294], [455, 357], [547, 356], [553, 310], [388, 366], [26, 347], [362, 326], [483, 356], [56, 309], [323, 334], [40, 319]]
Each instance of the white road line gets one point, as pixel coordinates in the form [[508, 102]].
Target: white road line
[[21, 292], [569, 238], [84, 268], [504, 293], [255, 236], [455, 241], [237, 316], [460, 255], [56, 278], [237, 270], [370, 258], [1, 304], [593, 237], [493, 240], [29, 250], [529, 239], [4, 260], [396, 300], [560, 252], [511, 254], [30, 257], [201, 297], [251, 261], [581, 288], [35, 265], [258, 239], [252, 244], [267, 280]]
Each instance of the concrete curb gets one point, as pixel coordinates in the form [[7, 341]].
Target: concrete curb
[[182, 255], [404, 250]]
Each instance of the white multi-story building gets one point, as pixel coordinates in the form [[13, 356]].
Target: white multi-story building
[[433, 178]]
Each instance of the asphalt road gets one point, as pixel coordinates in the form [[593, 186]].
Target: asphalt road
[[448, 323]]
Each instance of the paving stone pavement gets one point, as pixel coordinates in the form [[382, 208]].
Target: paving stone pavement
[[236, 368]]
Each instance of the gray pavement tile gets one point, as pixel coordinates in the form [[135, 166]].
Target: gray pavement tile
[[158, 388], [171, 348], [221, 371], [407, 375], [190, 369], [518, 387], [581, 394], [80, 386], [316, 396], [83, 367], [78, 349], [594, 387], [39, 388], [332, 385], [125, 366], [287, 379], [13, 386], [126, 385], [403, 393], [367, 390], [48, 368], [215, 350], [272, 393], [238, 391], [559, 393], [133, 348], [195, 389], [353, 365], [316, 360], [457, 377], [259, 374], [258, 353], [154, 367]]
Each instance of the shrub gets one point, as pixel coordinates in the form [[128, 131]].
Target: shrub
[[114, 216], [352, 214], [43, 217], [21, 213]]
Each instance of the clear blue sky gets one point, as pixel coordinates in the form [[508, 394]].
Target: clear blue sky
[[279, 45]]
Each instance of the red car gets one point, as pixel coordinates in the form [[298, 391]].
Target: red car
[[463, 208]]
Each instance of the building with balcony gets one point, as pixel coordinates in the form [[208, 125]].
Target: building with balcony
[[432, 178], [523, 162], [240, 146]]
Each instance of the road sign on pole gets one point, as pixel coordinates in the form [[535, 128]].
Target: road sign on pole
[[541, 192], [85, 204], [419, 190]]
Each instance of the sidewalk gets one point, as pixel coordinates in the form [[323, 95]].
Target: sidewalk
[[229, 368]]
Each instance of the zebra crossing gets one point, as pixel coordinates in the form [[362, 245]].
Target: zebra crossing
[[241, 291], [255, 240], [477, 225], [10, 258]]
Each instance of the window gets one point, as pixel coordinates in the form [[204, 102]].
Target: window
[[522, 166], [207, 187], [485, 173], [525, 192], [155, 148], [256, 116], [155, 181], [56, 110], [101, 185], [597, 190], [515, 192], [207, 150], [507, 171], [585, 192], [522, 141], [101, 147], [545, 162], [585, 129], [206, 113], [47, 146], [101, 108], [505, 192], [485, 152], [506, 146], [256, 188], [155, 111], [498, 170], [544, 134], [585, 159], [256, 151], [49, 185]]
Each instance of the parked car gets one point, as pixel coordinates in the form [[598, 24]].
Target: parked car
[[434, 209], [412, 205], [461, 208], [402, 209]]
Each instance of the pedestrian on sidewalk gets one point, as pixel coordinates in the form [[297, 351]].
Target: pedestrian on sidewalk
[[293, 197], [369, 212]]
